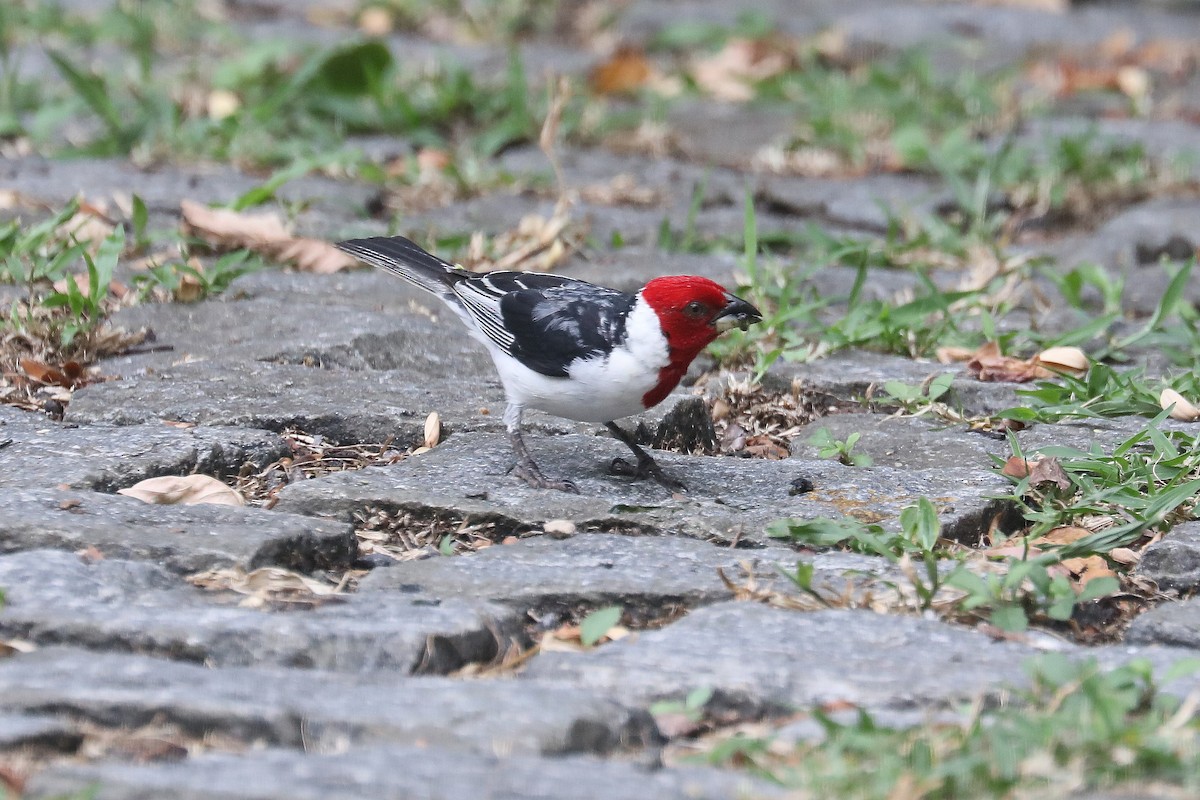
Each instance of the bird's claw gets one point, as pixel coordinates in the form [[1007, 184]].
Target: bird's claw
[[537, 480], [645, 469]]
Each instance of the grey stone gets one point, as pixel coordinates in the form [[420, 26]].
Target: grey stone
[[395, 773], [1173, 562], [100, 179], [1174, 623], [1115, 245], [643, 574], [870, 203], [723, 134], [729, 500], [21, 732], [100, 457], [906, 442], [764, 659], [180, 538], [588, 568], [320, 710], [56, 598], [850, 374]]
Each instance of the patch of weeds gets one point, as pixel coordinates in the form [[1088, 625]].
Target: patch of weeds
[[916, 548], [842, 450], [1150, 480], [865, 117], [57, 324], [271, 103], [1076, 727], [188, 280], [914, 400]]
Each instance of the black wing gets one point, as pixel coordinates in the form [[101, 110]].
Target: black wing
[[553, 326]]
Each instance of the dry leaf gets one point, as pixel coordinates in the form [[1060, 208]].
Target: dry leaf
[[731, 72], [266, 584], [1087, 569], [951, 355], [1015, 467], [1048, 470], [183, 490], [1064, 534], [1063, 359], [988, 364], [433, 429], [626, 70], [1183, 409], [263, 233], [1125, 556]]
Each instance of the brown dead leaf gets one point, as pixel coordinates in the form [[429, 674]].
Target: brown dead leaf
[[988, 364], [1087, 569], [183, 490], [762, 446], [951, 355], [1048, 470], [263, 233], [1064, 534], [1183, 410], [1015, 467], [730, 73], [625, 71]]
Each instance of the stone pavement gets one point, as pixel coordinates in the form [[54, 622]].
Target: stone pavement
[[145, 678]]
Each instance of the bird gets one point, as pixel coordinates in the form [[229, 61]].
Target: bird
[[572, 348]]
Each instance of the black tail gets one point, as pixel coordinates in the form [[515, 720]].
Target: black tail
[[401, 257]]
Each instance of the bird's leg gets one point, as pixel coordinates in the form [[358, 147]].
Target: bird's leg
[[646, 467], [525, 468]]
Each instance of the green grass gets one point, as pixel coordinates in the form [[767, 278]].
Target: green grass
[[1075, 727]]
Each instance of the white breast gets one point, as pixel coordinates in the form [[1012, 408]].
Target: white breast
[[596, 390]]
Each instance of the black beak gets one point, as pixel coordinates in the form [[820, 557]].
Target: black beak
[[737, 313]]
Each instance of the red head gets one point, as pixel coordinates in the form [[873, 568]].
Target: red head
[[692, 311]]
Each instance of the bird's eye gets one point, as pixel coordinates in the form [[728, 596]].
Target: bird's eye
[[695, 309]]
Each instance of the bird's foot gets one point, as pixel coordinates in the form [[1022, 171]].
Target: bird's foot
[[534, 477], [646, 468]]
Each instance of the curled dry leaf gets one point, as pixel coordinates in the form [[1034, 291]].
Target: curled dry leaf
[[1048, 470], [1183, 410], [1042, 470], [989, 364], [183, 490], [263, 233], [433, 429], [1063, 359]]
